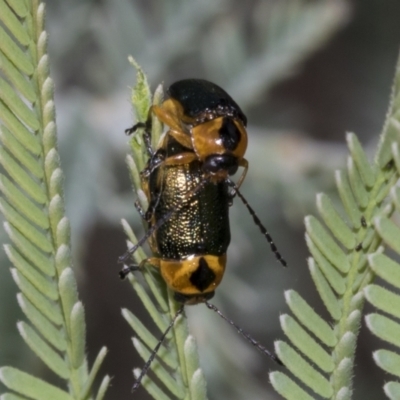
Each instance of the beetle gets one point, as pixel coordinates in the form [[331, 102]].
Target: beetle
[[208, 123], [208, 126], [188, 186], [192, 242], [188, 218]]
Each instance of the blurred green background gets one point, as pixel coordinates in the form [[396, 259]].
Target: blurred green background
[[304, 72]]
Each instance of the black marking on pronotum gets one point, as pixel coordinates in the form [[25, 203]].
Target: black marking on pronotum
[[229, 134]]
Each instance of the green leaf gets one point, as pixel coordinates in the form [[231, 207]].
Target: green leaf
[[148, 339], [19, 130], [326, 244], [68, 293], [17, 106], [385, 328], [30, 251], [141, 94], [42, 283], [15, 54], [53, 335], [22, 178], [341, 376], [385, 268], [340, 271], [198, 385], [13, 25], [396, 157], [148, 304], [93, 373], [357, 184], [152, 388], [17, 79], [334, 222], [306, 344], [43, 350], [18, 7], [287, 388], [392, 390], [105, 383], [388, 361], [396, 197], [344, 394], [383, 299], [309, 318], [346, 346], [20, 153], [333, 276], [162, 374], [48, 308], [24, 206], [33, 206], [157, 126], [303, 370], [347, 198], [391, 129], [191, 355], [30, 386], [28, 230], [389, 232], [78, 335], [10, 396], [358, 155], [392, 135], [327, 295]]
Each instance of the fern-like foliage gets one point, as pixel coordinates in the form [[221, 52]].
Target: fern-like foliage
[[32, 204], [287, 32], [387, 326], [179, 371], [345, 255]]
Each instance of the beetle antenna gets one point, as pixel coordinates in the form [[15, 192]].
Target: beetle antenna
[[257, 221], [254, 342], [122, 259], [153, 354]]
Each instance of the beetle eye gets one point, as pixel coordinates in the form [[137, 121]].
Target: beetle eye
[[233, 169]]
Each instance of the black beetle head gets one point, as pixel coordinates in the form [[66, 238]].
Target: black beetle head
[[217, 163]]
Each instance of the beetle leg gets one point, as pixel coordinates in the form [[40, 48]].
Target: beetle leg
[[182, 138], [147, 142], [152, 207], [181, 158], [245, 164], [140, 210], [146, 126], [155, 161], [127, 269], [135, 127]]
